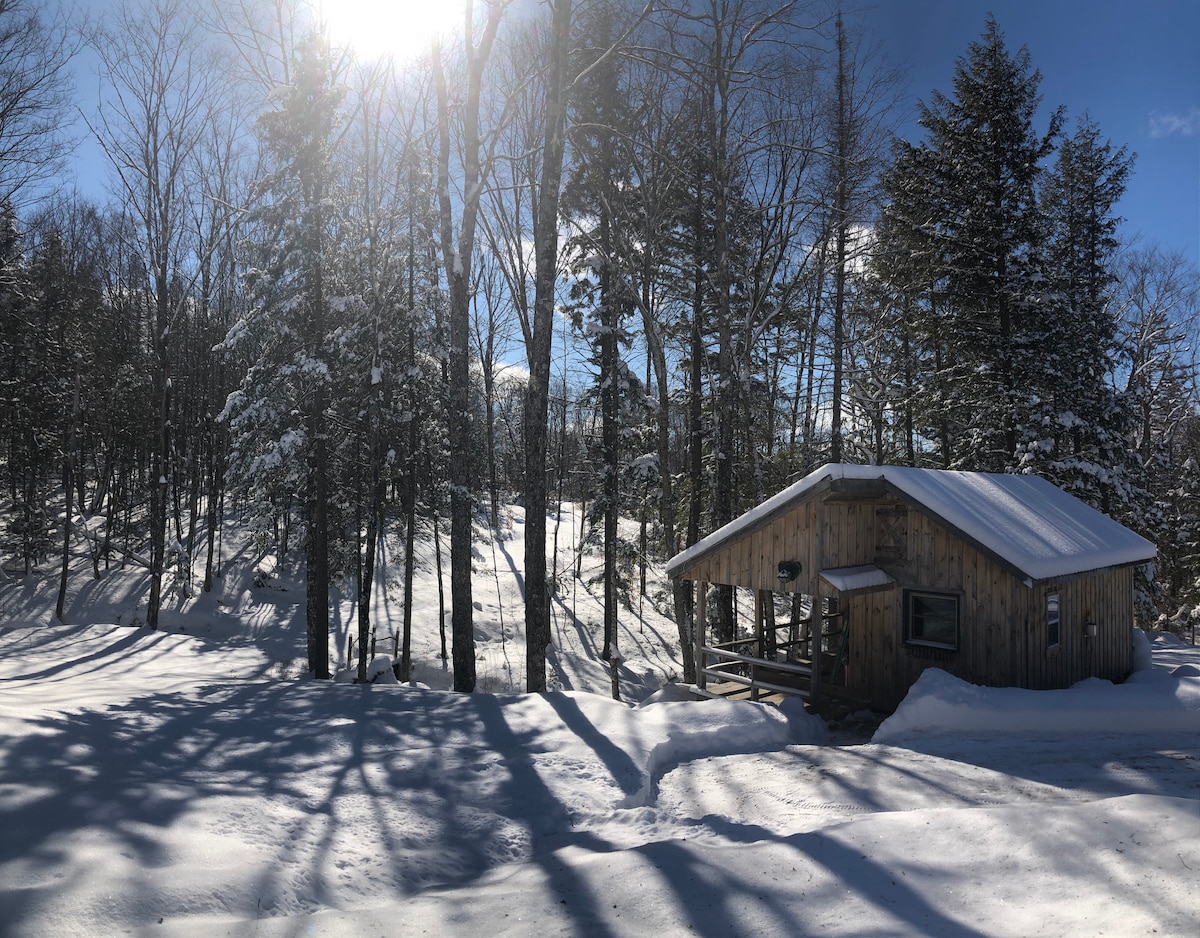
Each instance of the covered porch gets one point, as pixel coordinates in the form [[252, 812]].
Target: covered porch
[[797, 645]]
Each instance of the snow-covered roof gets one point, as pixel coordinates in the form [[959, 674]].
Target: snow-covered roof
[[1029, 523], [851, 579]]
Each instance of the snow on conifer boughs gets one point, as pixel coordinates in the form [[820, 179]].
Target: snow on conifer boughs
[[964, 213], [1078, 427], [1017, 337], [285, 396]]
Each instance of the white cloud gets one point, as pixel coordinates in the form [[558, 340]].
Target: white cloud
[[1163, 125]]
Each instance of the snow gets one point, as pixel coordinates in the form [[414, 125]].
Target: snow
[[1029, 522], [1149, 702], [849, 579], [190, 782]]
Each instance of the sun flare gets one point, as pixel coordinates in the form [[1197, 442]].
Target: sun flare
[[376, 28]]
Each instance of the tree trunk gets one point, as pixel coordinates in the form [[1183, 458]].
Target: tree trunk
[[610, 396], [457, 254], [437, 559], [410, 559], [537, 599], [317, 542]]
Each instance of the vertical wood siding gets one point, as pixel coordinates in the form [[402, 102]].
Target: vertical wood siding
[[1002, 621]]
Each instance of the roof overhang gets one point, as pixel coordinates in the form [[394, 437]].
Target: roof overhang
[[1032, 529], [865, 578]]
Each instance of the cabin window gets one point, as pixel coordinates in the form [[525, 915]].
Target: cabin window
[[931, 619], [1053, 628]]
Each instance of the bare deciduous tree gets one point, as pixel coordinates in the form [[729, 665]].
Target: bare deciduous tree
[[35, 97], [158, 95]]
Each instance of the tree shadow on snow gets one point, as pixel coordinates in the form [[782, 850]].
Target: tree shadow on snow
[[327, 786]]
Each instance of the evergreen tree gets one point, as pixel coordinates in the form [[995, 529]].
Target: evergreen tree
[[1078, 430], [61, 314], [28, 394], [965, 211], [280, 415], [592, 195], [1157, 296]]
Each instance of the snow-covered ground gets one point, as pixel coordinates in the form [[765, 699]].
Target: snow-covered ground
[[189, 782]]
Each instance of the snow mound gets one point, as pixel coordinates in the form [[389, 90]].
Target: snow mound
[[695, 730], [1154, 701], [379, 671], [670, 692], [1143, 653]]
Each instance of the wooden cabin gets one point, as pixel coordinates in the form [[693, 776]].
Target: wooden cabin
[[857, 578]]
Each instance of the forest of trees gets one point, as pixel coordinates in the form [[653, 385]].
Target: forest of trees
[[660, 258]]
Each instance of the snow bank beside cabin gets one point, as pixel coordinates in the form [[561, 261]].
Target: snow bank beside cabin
[[1153, 701]]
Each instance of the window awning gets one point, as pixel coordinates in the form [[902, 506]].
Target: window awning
[[862, 579]]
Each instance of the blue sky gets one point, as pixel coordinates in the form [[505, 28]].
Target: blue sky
[[1133, 66]]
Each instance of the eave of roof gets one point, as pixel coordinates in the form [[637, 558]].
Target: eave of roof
[[1031, 526]]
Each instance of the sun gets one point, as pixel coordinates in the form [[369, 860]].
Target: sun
[[377, 28]]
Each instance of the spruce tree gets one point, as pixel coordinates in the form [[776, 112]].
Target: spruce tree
[[1078, 430], [279, 415], [969, 196]]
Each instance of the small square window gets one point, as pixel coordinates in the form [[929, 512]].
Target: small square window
[[931, 619], [1053, 624]]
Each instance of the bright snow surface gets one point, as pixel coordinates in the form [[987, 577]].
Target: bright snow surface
[[172, 784]]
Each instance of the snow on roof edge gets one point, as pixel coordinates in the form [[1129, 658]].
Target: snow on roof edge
[[759, 514], [1024, 520], [857, 577]]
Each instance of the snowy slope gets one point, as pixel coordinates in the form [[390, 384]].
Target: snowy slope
[[190, 784]]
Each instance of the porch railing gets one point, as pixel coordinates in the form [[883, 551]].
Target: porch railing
[[779, 667]]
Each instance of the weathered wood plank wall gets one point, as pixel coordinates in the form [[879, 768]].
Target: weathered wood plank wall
[[1003, 621]]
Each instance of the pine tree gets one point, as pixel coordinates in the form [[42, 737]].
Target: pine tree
[[593, 195]]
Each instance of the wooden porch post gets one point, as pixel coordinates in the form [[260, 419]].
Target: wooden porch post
[[816, 632], [758, 624], [758, 642], [701, 616]]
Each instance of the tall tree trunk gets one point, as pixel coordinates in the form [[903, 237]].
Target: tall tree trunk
[[841, 218], [462, 632], [537, 599], [317, 542], [721, 282], [160, 465], [681, 590], [610, 395], [410, 541], [457, 252], [68, 474]]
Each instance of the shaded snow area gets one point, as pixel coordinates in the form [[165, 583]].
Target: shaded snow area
[[190, 782]]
